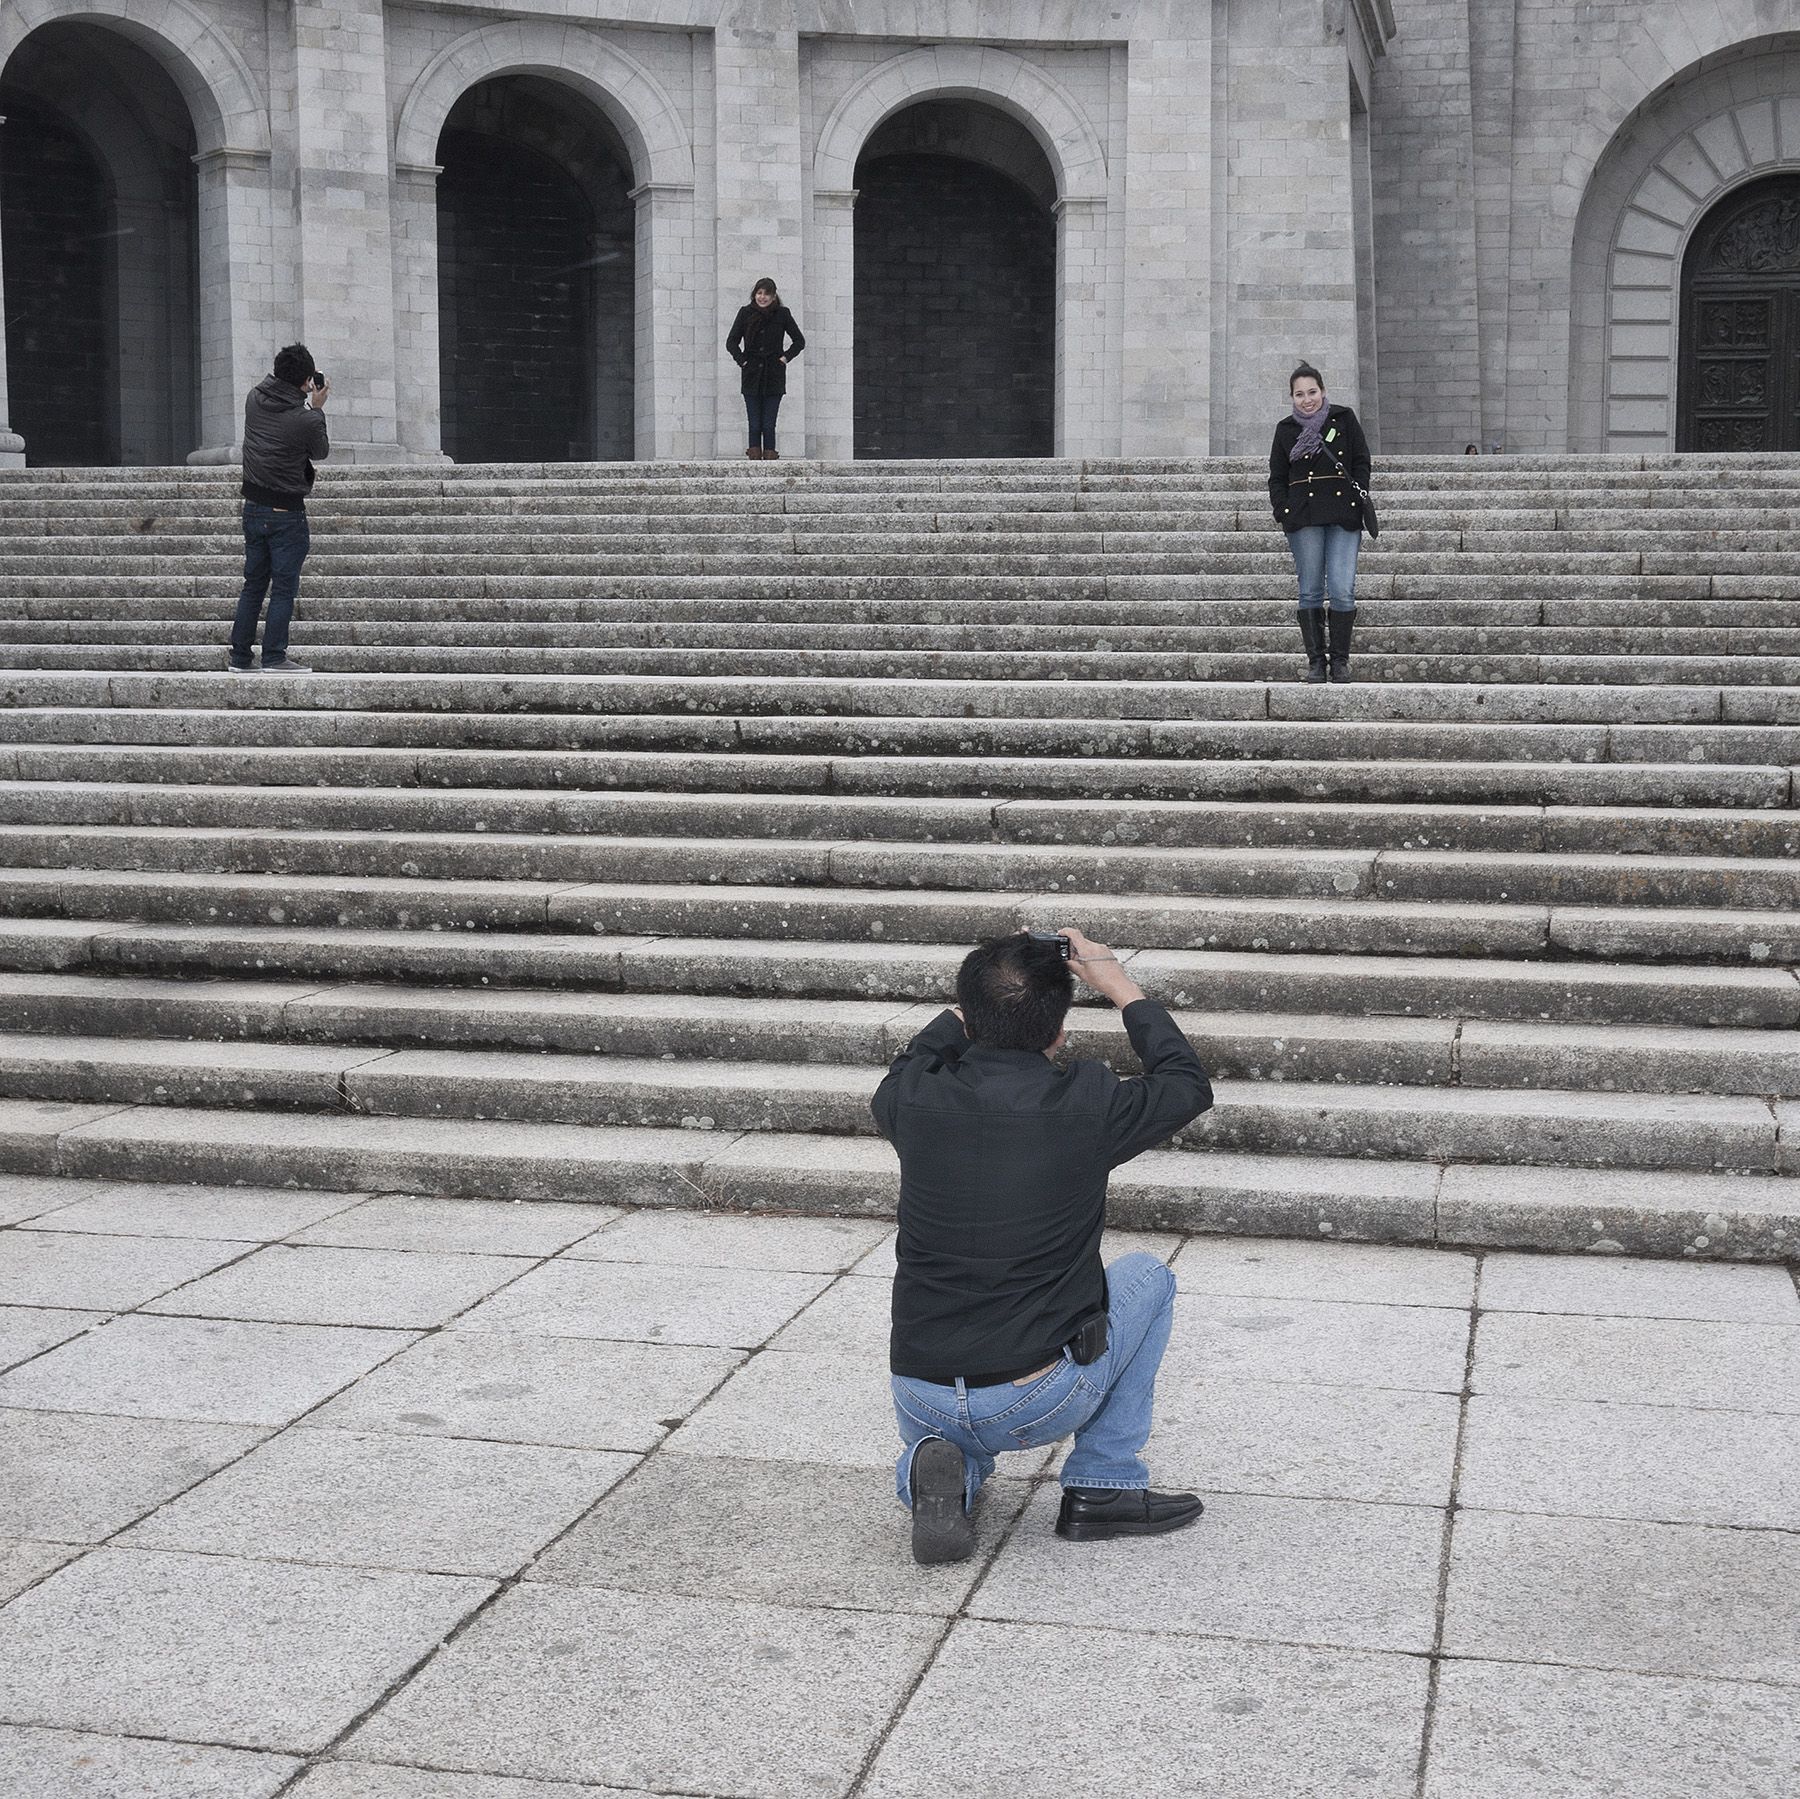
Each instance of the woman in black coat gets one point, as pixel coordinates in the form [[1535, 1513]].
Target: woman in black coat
[[764, 339], [1318, 460]]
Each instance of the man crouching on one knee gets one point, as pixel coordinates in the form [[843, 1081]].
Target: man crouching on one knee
[[1009, 1333]]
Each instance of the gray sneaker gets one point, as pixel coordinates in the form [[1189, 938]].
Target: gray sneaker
[[240, 668], [282, 666]]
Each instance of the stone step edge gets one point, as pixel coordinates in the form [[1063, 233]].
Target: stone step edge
[[363, 1021], [1727, 1217], [1613, 1131]]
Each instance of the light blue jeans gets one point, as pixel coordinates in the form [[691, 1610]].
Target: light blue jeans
[[1106, 1405], [1325, 556]]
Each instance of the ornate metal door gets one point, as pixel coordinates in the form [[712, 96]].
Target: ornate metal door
[[1740, 324]]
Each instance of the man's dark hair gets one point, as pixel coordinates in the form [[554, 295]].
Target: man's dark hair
[[1014, 993], [294, 365]]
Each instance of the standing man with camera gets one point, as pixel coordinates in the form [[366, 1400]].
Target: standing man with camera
[[284, 435], [1008, 1332]]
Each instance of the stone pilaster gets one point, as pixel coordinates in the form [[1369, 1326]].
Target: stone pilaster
[[1167, 295], [831, 317], [346, 248], [760, 200], [12, 445]]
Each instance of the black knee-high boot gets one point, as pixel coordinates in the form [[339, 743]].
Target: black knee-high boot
[[1312, 634], [1342, 625]]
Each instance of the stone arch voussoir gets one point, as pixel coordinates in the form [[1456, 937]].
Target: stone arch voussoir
[[229, 112], [965, 72], [623, 89]]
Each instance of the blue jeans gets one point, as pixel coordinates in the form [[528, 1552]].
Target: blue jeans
[[275, 546], [1106, 1404], [1325, 556], [762, 409]]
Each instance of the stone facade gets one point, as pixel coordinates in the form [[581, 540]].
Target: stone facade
[[1472, 215]]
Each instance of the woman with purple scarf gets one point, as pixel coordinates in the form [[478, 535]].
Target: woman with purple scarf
[[1319, 460]]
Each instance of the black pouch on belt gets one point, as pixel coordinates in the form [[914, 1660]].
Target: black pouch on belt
[[1089, 1341]]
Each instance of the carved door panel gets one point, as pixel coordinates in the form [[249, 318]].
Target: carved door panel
[[1740, 325]]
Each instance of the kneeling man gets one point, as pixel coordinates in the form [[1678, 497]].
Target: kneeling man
[[1009, 1333]]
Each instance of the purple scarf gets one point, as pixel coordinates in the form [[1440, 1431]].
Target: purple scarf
[[1311, 441]]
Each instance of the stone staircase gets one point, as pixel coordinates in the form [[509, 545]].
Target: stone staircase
[[637, 814]]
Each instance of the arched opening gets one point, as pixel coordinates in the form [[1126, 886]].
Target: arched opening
[[536, 277], [1739, 383], [955, 286], [99, 234]]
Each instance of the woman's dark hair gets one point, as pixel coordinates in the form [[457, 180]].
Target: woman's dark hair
[[766, 286], [1472, 450], [1303, 371], [294, 365], [1014, 993]]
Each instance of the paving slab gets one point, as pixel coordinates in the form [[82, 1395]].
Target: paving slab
[[284, 1284], [352, 1780], [647, 1302], [1652, 1598], [76, 1478], [23, 1562], [993, 1719], [238, 1214], [24, 1196], [1304, 1442], [805, 1407], [1506, 1732], [579, 1394], [1629, 1287], [698, 1695], [434, 1504], [110, 1274], [1649, 1361], [257, 1655], [789, 1533], [74, 1764], [1325, 1572], [209, 1370], [723, 1240], [850, 1318], [1353, 1273], [495, 1227], [30, 1330], [1658, 1463], [1318, 1343]]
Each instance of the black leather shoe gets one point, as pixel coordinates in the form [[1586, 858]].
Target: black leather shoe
[[1090, 1516], [942, 1530]]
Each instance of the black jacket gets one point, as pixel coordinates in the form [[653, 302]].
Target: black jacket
[[1326, 498], [757, 343], [283, 438], [1004, 1159]]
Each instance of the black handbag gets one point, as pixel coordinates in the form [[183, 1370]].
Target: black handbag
[[1370, 522]]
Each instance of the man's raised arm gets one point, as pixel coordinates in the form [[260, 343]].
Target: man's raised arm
[[942, 1040]]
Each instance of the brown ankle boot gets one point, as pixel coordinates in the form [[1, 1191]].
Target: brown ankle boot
[[754, 453]]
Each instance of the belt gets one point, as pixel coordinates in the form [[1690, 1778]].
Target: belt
[[1005, 1379]]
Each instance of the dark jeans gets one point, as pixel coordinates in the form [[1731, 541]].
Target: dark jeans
[[762, 409], [275, 546]]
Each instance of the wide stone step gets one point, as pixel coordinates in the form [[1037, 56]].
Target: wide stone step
[[856, 820], [92, 901], [1254, 981], [1555, 1128], [1308, 1047], [1389, 780], [1685, 1213], [445, 742], [762, 708], [1544, 878]]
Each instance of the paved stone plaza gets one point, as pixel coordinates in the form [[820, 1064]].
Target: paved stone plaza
[[389, 1498]]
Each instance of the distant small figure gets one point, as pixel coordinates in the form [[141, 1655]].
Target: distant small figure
[[284, 435], [765, 337], [1318, 487], [1472, 450]]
